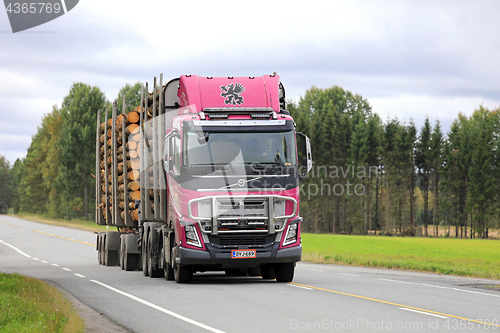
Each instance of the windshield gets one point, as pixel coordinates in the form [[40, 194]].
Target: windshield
[[207, 148]]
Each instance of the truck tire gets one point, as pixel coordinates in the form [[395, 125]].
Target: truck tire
[[144, 250], [284, 271], [267, 272], [183, 274], [122, 253], [130, 260], [111, 248], [154, 255], [168, 270], [99, 252], [111, 258]]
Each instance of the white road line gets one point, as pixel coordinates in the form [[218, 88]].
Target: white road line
[[349, 274], [398, 281], [431, 285], [15, 248], [294, 285], [425, 313], [55, 265], [475, 292], [170, 313], [67, 269], [36, 259], [434, 286], [314, 270], [44, 261], [79, 275]]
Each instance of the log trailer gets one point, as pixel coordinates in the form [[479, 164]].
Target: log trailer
[[202, 176]]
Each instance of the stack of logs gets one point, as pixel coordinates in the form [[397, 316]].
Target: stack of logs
[[128, 144], [133, 164]]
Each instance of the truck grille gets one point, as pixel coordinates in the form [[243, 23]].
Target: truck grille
[[250, 214], [242, 208], [242, 215]]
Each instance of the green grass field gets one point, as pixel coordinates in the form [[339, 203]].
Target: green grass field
[[465, 257], [30, 305]]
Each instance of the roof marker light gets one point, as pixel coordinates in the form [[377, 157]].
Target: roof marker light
[[260, 115], [218, 115]]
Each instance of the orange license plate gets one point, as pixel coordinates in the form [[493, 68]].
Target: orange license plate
[[243, 254]]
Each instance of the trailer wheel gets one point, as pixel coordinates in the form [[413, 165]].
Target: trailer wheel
[[130, 260], [99, 253], [144, 250], [284, 271], [102, 243], [111, 258], [122, 253]]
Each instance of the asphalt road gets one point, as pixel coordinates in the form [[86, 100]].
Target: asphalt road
[[321, 297]]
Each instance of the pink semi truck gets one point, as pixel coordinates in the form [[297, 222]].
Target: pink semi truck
[[219, 169]]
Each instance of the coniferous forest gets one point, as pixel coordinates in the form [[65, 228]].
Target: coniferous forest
[[370, 176]]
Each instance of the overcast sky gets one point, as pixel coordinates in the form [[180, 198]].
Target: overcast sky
[[409, 59]]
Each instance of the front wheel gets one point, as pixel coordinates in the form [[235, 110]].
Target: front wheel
[[168, 270], [284, 271], [183, 274]]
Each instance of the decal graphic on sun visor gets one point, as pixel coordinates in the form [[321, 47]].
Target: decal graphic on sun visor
[[232, 93]]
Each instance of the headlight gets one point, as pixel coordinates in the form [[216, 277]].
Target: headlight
[[291, 234], [192, 236], [279, 207], [205, 209]]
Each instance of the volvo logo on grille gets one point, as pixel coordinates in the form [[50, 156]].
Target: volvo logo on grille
[[241, 182]]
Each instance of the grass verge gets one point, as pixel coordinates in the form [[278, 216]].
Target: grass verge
[[30, 305], [76, 224], [464, 257]]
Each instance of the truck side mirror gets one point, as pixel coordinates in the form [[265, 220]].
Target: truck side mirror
[[305, 155], [168, 163]]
